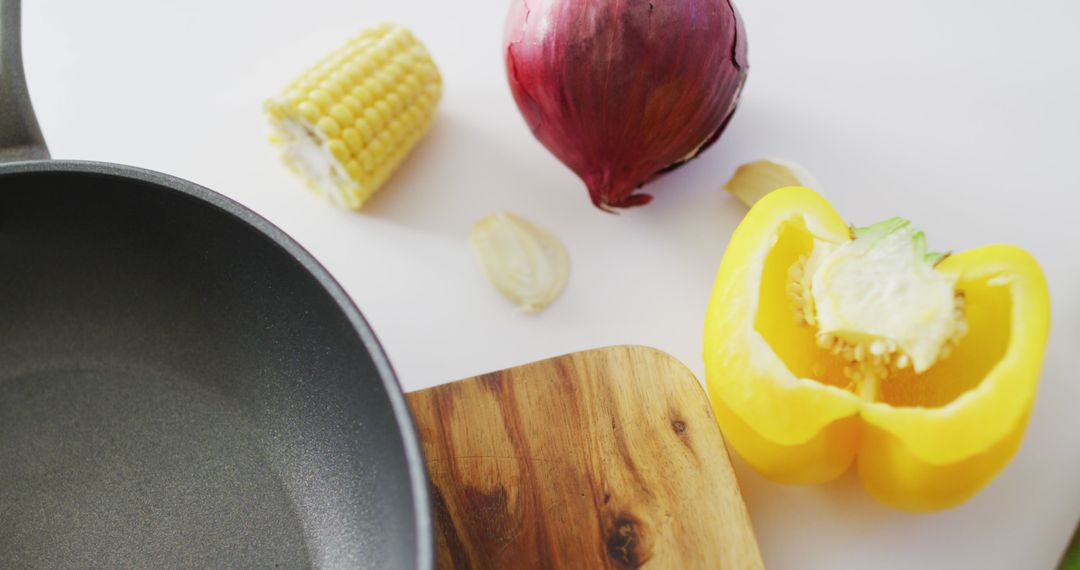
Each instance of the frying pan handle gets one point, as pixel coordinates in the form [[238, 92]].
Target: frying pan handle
[[20, 135]]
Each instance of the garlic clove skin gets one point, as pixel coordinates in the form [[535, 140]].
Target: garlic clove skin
[[526, 263], [753, 180]]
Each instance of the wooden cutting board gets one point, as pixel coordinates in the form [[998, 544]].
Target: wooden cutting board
[[608, 458]]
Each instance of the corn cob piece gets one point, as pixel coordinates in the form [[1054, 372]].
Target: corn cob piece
[[346, 124]]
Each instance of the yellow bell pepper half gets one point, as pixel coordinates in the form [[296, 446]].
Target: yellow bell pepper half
[[922, 441]]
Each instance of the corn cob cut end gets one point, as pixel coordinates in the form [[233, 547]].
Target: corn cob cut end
[[346, 124]]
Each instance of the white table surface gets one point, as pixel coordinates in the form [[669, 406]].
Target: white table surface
[[958, 114]]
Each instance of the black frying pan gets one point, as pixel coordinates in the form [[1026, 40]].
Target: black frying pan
[[181, 384]]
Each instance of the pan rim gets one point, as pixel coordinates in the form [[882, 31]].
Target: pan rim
[[414, 458]]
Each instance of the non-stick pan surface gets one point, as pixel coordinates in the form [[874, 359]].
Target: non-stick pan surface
[[181, 385]]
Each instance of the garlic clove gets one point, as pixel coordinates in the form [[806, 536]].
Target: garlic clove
[[525, 262], [753, 180]]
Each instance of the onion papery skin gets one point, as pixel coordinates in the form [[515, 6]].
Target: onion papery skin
[[623, 90]]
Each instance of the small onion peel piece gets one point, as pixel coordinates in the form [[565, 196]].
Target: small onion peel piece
[[525, 262], [753, 180]]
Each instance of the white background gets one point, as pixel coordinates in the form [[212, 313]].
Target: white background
[[959, 114]]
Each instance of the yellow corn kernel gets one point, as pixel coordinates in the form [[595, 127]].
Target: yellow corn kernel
[[333, 88], [367, 163], [363, 95], [364, 129], [376, 148], [353, 139], [295, 96], [394, 100], [395, 129], [377, 85], [339, 149], [320, 98], [307, 110], [353, 104], [353, 74], [394, 73], [367, 66], [354, 169], [329, 126], [384, 109], [347, 124], [381, 55], [343, 77], [374, 117], [276, 112], [408, 89], [342, 114]]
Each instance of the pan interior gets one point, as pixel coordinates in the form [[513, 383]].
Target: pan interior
[[102, 465], [176, 389]]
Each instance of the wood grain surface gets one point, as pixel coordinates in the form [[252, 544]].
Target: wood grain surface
[[608, 458]]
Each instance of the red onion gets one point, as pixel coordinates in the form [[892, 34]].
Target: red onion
[[623, 90]]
